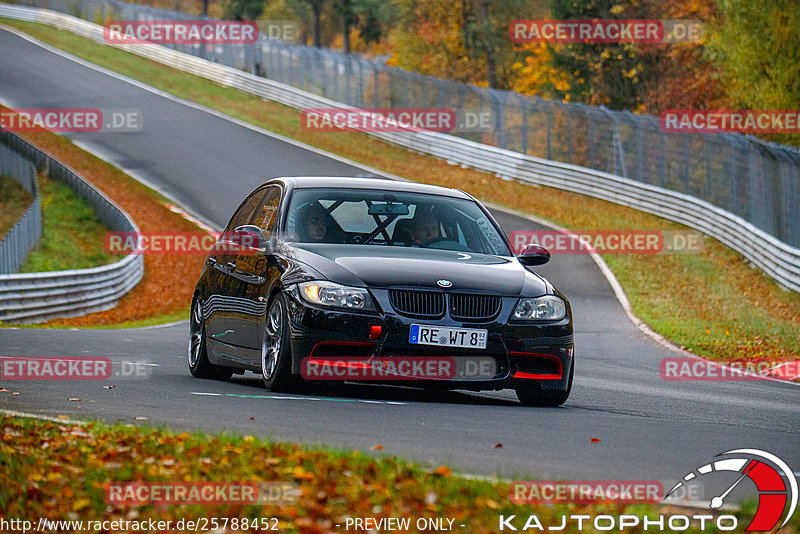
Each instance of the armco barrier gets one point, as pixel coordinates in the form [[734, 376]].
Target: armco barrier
[[776, 258], [21, 238], [38, 297]]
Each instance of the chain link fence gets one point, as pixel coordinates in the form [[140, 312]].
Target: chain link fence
[[754, 179], [27, 231]]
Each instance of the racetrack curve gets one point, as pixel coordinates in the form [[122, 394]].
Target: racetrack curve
[[648, 428]]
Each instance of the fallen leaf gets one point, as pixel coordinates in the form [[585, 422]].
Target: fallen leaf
[[299, 473], [443, 471], [252, 418], [376, 447], [498, 446], [80, 504], [595, 440], [140, 418], [73, 399]]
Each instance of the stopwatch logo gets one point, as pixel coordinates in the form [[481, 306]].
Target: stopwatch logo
[[774, 480]]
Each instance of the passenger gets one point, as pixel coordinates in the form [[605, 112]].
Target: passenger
[[313, 225]]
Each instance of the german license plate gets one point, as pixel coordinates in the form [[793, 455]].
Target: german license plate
[[442, 336]]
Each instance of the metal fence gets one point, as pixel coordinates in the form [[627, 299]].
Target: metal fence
[[757, 180], [21, 238], [37, 297]]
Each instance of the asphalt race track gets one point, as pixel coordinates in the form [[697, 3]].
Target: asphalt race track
[[648, 428]]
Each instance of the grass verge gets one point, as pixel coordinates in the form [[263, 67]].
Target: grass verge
[[58, 471], [14, 200], [712, 303], [72, 236]]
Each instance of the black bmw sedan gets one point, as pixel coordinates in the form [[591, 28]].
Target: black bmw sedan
[[379, 281]]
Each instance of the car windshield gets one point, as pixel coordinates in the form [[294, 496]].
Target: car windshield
[[398, 219]]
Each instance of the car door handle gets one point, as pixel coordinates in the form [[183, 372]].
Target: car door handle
[[211, 261], [230, 266]]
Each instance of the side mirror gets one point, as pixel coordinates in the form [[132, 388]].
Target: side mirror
[[248, 236], [533, 254]]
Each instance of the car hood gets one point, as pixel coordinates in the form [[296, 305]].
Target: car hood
[[383, 267]]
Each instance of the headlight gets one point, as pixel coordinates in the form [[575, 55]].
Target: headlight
[[547, 308], [336, 296]]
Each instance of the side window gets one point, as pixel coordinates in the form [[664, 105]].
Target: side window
[[267, 214], [245, 212]]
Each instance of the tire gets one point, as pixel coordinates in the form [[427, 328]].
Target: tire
[[199, 365], [276, 356], [537, 397]]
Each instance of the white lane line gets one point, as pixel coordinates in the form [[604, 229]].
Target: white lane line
[[189, 217], [285, 397], [154, 326], [54, 419]]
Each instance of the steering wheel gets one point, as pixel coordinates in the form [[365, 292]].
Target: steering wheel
[[430, 242], [444, 243]]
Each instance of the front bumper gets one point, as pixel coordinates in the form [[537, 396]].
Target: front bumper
[[530, 354]]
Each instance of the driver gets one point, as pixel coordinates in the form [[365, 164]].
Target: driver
[[424, 228]]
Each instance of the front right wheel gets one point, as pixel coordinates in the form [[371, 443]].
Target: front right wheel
[[276, 356]]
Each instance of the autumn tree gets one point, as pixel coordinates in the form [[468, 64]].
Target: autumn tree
[[463, 40], [757, 47], [243, 9], [310, 9]]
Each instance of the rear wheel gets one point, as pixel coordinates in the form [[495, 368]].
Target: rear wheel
[[276, 357], [199, 365], [535, 396]]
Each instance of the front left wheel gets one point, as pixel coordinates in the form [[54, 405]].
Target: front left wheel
[[199, 365]]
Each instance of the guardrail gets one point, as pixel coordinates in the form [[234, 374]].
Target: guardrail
[[38, 297], [778, 259], [21, 238]]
